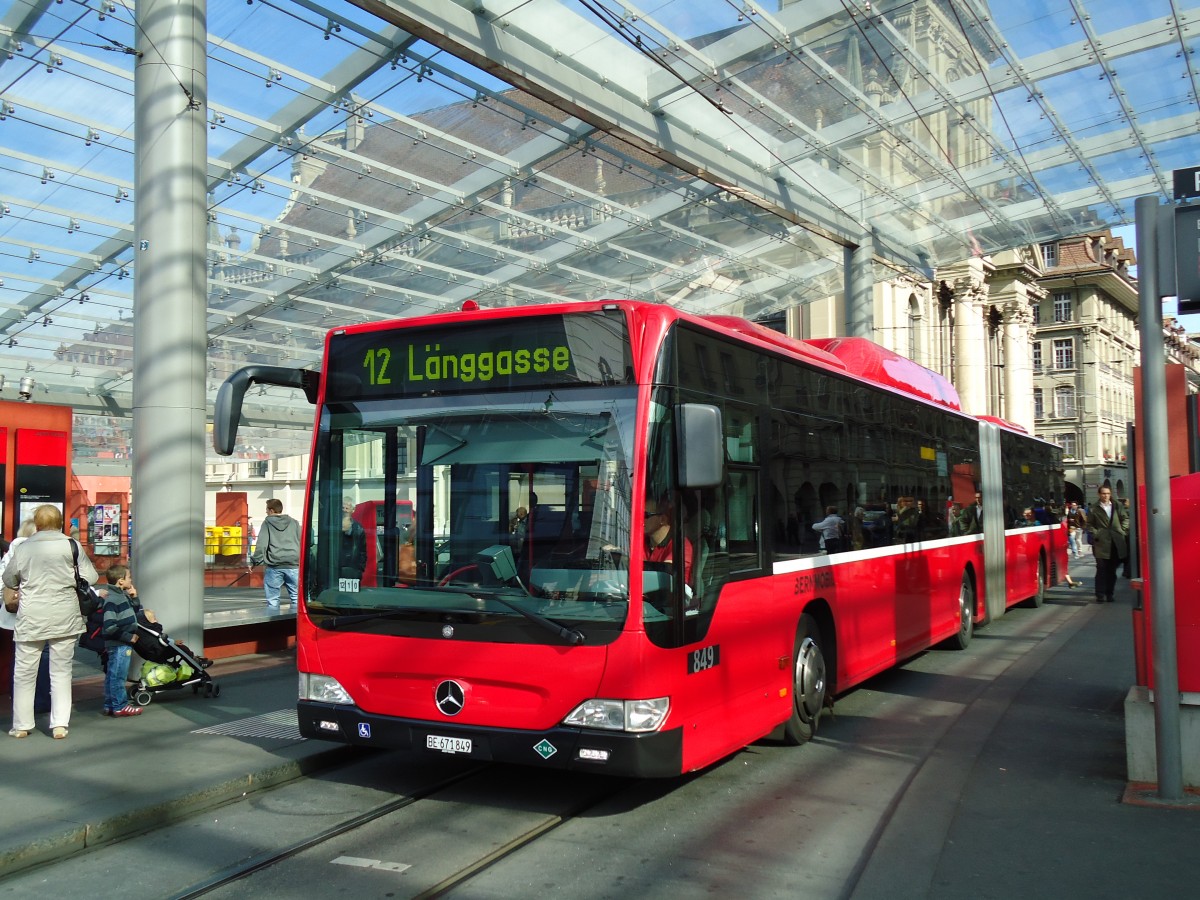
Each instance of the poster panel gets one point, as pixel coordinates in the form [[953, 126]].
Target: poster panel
[[106, 529]]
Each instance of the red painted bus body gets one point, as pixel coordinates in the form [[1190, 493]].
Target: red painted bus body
[[561, 647]]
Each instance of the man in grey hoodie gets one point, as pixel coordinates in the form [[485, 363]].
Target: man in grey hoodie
[[278, 548]]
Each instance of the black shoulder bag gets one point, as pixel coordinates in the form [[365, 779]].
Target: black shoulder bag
[[89, 600]]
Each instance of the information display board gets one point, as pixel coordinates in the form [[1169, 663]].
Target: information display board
[[40, 474]]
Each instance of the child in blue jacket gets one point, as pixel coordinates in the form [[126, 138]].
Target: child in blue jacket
[[121, 608]]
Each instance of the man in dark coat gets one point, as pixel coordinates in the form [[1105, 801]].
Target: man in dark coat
[[1108, 524]]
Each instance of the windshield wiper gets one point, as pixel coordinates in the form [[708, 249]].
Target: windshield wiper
[[572, 636]]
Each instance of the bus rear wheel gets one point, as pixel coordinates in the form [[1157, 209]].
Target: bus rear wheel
[[1039, 596], [810, 683], [966, 615]]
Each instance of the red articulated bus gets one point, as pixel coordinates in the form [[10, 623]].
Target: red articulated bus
[[613, 564]]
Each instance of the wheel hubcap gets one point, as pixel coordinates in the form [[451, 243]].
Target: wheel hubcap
[[810, 680]]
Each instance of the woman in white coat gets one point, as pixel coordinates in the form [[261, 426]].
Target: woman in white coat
[[39, 586]]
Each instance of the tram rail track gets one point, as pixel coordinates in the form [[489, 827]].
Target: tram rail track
[[511, 847], [584, 795], [264, 861]]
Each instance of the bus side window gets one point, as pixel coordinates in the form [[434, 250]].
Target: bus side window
[[742, 537], [704, 527]]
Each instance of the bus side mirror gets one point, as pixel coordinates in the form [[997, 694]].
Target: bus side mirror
[[228, 410], [700, 438]]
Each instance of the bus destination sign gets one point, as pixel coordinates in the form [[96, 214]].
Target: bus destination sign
[[497, 354]]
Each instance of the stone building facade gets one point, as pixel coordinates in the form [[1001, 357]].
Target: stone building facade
[[1085, 350]]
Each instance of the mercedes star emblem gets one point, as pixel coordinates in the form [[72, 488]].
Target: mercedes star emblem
[[449, 698]]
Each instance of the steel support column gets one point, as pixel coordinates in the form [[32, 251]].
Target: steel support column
[[169, 303], [1159, 534]]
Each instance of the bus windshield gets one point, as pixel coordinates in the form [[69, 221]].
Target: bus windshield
[[506, 511]]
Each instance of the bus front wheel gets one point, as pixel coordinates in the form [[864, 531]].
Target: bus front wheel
[[810, 683]]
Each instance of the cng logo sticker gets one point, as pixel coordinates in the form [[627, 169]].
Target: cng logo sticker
[[364, 730], [544, 749]]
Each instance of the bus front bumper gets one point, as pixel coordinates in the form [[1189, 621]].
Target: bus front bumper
[[649, 755]]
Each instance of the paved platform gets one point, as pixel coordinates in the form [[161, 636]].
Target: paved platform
[[186, 752], [228, 606], [1038, 790]]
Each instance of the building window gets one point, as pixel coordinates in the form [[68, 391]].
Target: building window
[[1064, 353], [1064, 402], [1039, 407], [1037, 356], [1037, 314], [1050, 255], [1067, 442], [1062, 308], [914, 328]]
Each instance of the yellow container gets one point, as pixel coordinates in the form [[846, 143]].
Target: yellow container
[[212, 542], [231, 541]]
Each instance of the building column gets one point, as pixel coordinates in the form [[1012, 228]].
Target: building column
[[169, 311], [1018, 364], [970, 344], [860, 288]]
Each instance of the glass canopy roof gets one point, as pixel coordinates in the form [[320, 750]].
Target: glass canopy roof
[[390, 158]]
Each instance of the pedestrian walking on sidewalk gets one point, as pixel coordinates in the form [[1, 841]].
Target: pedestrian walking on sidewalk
[[1076, 523], [1108, 524], [39, 586], [278, 548]]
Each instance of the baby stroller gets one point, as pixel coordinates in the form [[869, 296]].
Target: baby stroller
[[169, 666]]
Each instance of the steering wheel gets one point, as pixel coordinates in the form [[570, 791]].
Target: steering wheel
[[452, 576]]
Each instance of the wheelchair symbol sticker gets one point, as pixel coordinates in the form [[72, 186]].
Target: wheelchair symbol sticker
[[364, 730]]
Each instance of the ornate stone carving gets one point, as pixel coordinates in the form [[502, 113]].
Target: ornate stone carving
[[1018, 312], [970, 289]]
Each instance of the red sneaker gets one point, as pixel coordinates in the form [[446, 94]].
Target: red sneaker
[[127, 710]]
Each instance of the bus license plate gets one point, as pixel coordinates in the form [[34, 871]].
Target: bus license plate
[[447, 744]]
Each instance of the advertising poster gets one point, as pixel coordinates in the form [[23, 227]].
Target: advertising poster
[[106, 529]]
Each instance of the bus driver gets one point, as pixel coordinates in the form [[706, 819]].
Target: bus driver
[[660, 541]]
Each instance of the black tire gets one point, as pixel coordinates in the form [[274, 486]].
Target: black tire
[[810, 684], [966, 615], [216, 690], [143, 698], [1039, 596]]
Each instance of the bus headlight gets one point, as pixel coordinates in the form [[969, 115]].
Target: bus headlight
[[620, 715], [322, 689]]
